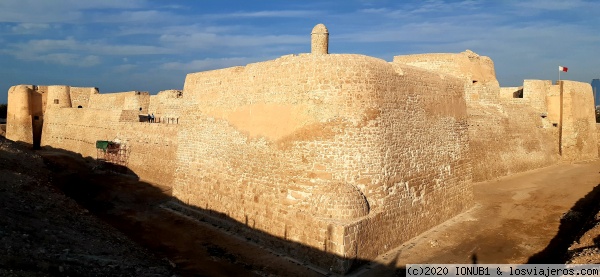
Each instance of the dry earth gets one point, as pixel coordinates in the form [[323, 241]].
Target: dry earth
[[65, 215], [45, 233]]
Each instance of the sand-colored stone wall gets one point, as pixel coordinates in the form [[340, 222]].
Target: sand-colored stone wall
[[131, 100], [537, 93], [511, 92], [166, 106], [598, 136], [18, 118], [578, 138], [80, 96], [344, 154], [508, 135], [508, 138], [151, 146], [313, 136]]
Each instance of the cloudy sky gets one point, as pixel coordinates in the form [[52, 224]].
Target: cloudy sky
[[149, 45]]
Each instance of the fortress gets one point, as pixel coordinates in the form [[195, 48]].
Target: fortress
[[345, 156]]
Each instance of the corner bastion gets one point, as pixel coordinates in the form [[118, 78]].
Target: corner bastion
[[332, 158], [370, 152]]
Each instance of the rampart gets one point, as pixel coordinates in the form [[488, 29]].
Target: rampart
[[372, 152], [519, 128], [340, 153]]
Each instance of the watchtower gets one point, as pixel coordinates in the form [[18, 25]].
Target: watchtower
[[319, 40]]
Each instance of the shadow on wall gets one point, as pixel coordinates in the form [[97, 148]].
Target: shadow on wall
[[573, 224], [196, 240]]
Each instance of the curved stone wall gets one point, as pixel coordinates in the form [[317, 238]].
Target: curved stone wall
[[59, 97], [19, 120]]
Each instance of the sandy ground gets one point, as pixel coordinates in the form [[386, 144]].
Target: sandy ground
[[547, 215], [530, 217]]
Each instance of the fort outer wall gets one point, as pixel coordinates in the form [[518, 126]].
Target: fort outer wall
[[515, 129], [578, 129], [19, 125], [25, 116], [114, 117], [345, 154]]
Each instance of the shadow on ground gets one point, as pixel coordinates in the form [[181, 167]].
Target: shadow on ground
[[573, 224], [45, 233], [194, 241]]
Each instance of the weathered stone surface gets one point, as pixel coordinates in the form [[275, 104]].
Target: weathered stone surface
[[345, 154]]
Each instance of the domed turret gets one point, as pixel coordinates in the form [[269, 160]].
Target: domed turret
[[338, 201], [319, 40]]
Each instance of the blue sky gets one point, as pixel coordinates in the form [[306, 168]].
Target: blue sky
[[149, 45]]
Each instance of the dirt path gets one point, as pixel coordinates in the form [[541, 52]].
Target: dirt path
[[516, 219]]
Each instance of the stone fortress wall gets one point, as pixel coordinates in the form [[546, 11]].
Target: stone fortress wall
[[369, 152], [518, 128], [344, 154]]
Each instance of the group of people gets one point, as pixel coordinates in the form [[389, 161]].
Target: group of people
[[151, 118]]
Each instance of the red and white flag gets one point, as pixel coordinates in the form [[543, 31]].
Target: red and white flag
[[563, 69]]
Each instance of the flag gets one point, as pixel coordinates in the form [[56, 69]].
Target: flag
[[563, 69]]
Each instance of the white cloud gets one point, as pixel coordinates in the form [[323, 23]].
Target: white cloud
[[124, 67], [35, 11], [204, 41], [555, 5], [136, 18], [208, 64], [92, 47], [30, 28], [68, 59], [268, 13]]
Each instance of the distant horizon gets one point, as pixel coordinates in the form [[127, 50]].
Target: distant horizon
[[150, 46]]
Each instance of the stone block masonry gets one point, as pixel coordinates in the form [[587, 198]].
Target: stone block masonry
[[341, 156], [519, 128], [375, 152]]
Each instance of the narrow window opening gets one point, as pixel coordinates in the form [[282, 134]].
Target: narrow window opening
[[79, 107], [55, 101]]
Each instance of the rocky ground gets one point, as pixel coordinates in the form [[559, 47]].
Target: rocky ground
[[586, 248], [65, 215], [45, 233]]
